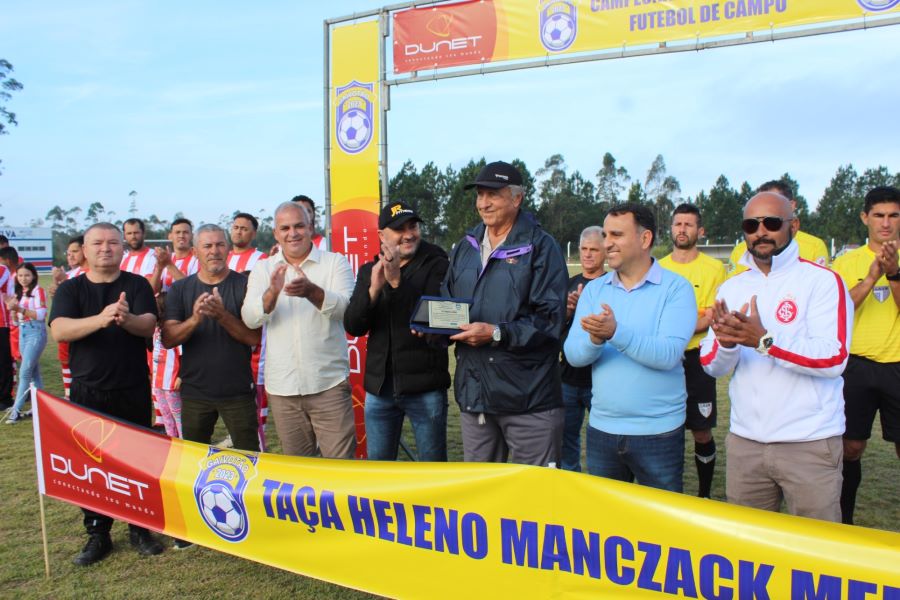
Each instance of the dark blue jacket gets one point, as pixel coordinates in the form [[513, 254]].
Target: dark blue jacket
[[522, 289]]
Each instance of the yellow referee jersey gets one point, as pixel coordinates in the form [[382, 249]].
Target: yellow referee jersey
[[876, 323], [706, 274], [811, 248]]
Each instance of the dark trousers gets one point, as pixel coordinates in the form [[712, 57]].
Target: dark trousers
[[6, 367], [132, 405], [199, 416]]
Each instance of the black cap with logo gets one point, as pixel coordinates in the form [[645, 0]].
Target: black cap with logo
[[396, 214], [496, 175]]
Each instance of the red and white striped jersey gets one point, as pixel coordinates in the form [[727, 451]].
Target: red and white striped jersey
[[166, 363], [187, 265], [243, 262], [36, 301], [258, 359], [319, 241], [72, 274], [140, 263], [7, 288]]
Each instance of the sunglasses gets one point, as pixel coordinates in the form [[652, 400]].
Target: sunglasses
[[751, 225]]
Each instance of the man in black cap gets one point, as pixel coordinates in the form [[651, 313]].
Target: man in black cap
[[507, 380], [404, 375]]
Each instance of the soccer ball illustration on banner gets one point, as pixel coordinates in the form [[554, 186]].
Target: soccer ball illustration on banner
[[558, 32], [221, 511], [877, 5], [354, 130]]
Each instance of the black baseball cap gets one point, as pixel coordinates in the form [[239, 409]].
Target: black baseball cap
[[396, 214], [496, 175]]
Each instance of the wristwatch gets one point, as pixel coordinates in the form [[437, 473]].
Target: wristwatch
[[496, 336], [894, 277], [765, 342]]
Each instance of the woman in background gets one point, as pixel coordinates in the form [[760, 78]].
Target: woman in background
[[28, 307]]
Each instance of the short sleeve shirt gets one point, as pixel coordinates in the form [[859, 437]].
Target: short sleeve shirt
[[214, 365], [110, 358]]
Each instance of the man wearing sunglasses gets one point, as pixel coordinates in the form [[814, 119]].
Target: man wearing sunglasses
[[872, 378], [811, 248], [783, 327]]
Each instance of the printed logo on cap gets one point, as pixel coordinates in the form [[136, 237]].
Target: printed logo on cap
[[354, 123], [219, 492], [559, 24]]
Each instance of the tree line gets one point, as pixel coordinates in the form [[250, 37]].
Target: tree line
[[565, 203]]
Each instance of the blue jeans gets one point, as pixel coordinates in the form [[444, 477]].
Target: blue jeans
[[32, 339], [575, 400], [654, 460], [427, 414]]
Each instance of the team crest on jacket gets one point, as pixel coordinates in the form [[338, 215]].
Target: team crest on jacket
[[219, 492], [882, 293], [786, 311]]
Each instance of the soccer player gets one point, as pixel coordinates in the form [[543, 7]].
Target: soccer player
[[139, 259], [705, 274], [872, 378], [811, 248], [170, 267]]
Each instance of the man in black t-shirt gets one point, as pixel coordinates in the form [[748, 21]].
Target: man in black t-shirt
[[576, 381], [107, 316], [203, 315]]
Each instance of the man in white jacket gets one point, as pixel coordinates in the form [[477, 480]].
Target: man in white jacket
[[787, 343]]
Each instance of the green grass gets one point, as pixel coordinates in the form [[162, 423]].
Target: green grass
[[203, 573]]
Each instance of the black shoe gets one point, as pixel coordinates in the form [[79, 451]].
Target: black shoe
[[182, 544], [144, 542], [97, 548]]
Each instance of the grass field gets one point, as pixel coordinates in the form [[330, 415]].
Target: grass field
[[201, 573]]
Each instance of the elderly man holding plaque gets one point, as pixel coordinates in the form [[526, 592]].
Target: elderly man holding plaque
[[404, 375], [507, 380]]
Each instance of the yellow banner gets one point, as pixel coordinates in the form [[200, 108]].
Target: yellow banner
[[354, 116], [482, 31], [443, 530]]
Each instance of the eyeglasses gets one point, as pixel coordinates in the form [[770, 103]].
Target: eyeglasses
[[751, 225]]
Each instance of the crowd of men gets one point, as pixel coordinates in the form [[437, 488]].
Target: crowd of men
[[638, 346]]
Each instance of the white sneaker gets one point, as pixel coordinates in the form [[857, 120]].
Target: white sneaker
[[226, 443], [12, 416]]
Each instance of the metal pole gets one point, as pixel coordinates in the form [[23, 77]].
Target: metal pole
[[326, 125], [383, 105]]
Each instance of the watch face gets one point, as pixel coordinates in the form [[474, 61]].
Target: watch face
[[768, 342], [496, 334]]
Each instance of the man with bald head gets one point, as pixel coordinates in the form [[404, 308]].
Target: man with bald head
[[300, 294], [783, 326]]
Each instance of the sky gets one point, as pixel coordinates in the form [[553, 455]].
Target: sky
[[209, 107]]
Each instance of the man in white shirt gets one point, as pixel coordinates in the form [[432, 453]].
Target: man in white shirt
[[300, 295]]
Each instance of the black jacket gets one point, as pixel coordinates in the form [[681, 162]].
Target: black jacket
[[416, 366], [523, 290]]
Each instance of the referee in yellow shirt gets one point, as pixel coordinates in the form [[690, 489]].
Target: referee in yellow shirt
[[706, 275], [872, 377], [811, 248]]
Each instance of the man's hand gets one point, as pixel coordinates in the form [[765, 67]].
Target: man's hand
[[59, 275], [390, 256], [738, 327], [600, 327], [572, 300], [163, 257], [198, 312], [213, 306], [888, 258], [474, 334], [115, 313], [876, 270], [300, 286]]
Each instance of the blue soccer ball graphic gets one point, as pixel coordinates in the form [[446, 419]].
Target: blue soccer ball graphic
[[354, 129], [221, 511], [558, 32]]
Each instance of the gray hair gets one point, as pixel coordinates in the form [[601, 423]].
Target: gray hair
[[298, 206], [593, 230], [516, 190], [208, 228]]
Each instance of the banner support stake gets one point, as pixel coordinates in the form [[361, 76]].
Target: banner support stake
[[44, 537]]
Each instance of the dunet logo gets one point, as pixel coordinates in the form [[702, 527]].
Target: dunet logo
[[455, 35]]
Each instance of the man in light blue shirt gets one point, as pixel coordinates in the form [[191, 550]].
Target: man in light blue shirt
[[632, 326]]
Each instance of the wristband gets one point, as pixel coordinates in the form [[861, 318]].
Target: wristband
[[894, 277]]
